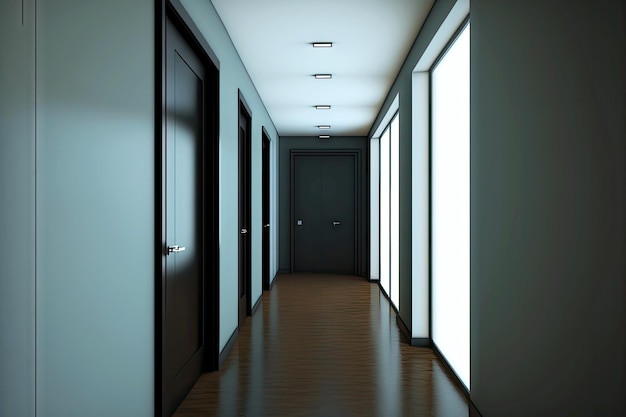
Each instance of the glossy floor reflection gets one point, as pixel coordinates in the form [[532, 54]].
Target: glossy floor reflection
[[325, 345]]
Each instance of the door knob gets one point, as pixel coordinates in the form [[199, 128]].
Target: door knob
[[175, 249], [244, 231], [336, 223]]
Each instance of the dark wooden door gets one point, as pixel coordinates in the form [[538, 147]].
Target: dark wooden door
[[325, 213], [266, 211], [244, 212], [183, 292]]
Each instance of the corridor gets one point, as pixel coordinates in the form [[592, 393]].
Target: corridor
[[325, 345]]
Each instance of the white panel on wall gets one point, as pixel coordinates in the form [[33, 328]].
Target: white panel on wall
[[394, 211], [450, 206], [385, 195]]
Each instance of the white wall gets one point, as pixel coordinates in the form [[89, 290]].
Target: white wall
[[233, 76]]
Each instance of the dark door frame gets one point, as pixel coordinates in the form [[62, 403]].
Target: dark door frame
[[173, 10], [358, 215], [267, 207], [246, 113]]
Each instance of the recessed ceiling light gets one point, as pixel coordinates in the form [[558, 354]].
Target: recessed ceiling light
[[323, 107], [323, 127], [324, 136], [323, 76], [322, 44]]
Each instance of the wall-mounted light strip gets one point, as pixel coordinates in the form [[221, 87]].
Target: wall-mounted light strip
[[322, 44], [323, 127], [322, 107], [324, 136], [323, 76]]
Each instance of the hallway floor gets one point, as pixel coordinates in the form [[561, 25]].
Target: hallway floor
[[325, 345]]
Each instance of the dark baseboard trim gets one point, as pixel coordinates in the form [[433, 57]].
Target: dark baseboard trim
[[473, 411], [403, 329], [274, 281], [449, 369], [421, 342], [226, 351], [284, 271], [413, 341], [372, 280], [256, 306]]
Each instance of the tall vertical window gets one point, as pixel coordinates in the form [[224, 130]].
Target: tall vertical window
[[450, 210], [384, 211], [390, 210]]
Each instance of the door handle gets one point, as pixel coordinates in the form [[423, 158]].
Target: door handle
[[244, 231], [175, 249], [266, 225], [336, 223]]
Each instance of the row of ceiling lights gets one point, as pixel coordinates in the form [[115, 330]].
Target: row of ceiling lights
[[323, 77]]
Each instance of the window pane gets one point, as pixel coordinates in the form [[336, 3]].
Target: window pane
[[384, 211], [394, 206], [450, 206]]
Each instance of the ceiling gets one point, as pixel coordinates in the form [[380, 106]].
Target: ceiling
[[371, 39]]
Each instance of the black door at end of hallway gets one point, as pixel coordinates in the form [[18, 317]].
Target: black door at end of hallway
[[324, 213]]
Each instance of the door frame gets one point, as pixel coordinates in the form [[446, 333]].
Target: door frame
[[174, 11], [358, 210], [244, 109], [266, 215]]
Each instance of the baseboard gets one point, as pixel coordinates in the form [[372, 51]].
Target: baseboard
[[284, 271], [375, 280], [421, 342], [403, 329], [449, 369], [256, 306], [413, 341], [226, 351], [274, 281], [473, 411]]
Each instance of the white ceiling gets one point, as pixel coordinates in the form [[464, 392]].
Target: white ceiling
[[370, 39]]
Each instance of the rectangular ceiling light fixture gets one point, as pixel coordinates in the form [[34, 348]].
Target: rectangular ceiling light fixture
[[322, 44], [323, 127], [322, 107], [324, 136], [323, 76]]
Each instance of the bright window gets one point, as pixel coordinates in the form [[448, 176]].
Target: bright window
[[450, 210], [390, 210]]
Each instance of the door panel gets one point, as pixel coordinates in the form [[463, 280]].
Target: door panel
[[324, 202], [338, 214], [266, 211], [183, 287], [308, 213], [244, 214]]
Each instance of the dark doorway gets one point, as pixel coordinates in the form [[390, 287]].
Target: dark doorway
[[186, 319], [266, 210], [245, 122], [324, 212]]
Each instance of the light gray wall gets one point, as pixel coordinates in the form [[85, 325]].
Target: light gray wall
[[17, 209], [95, 208], [547, 208], [234, 77], [288, 143]]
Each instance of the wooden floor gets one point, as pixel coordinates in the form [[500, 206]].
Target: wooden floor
[[325, 345]]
